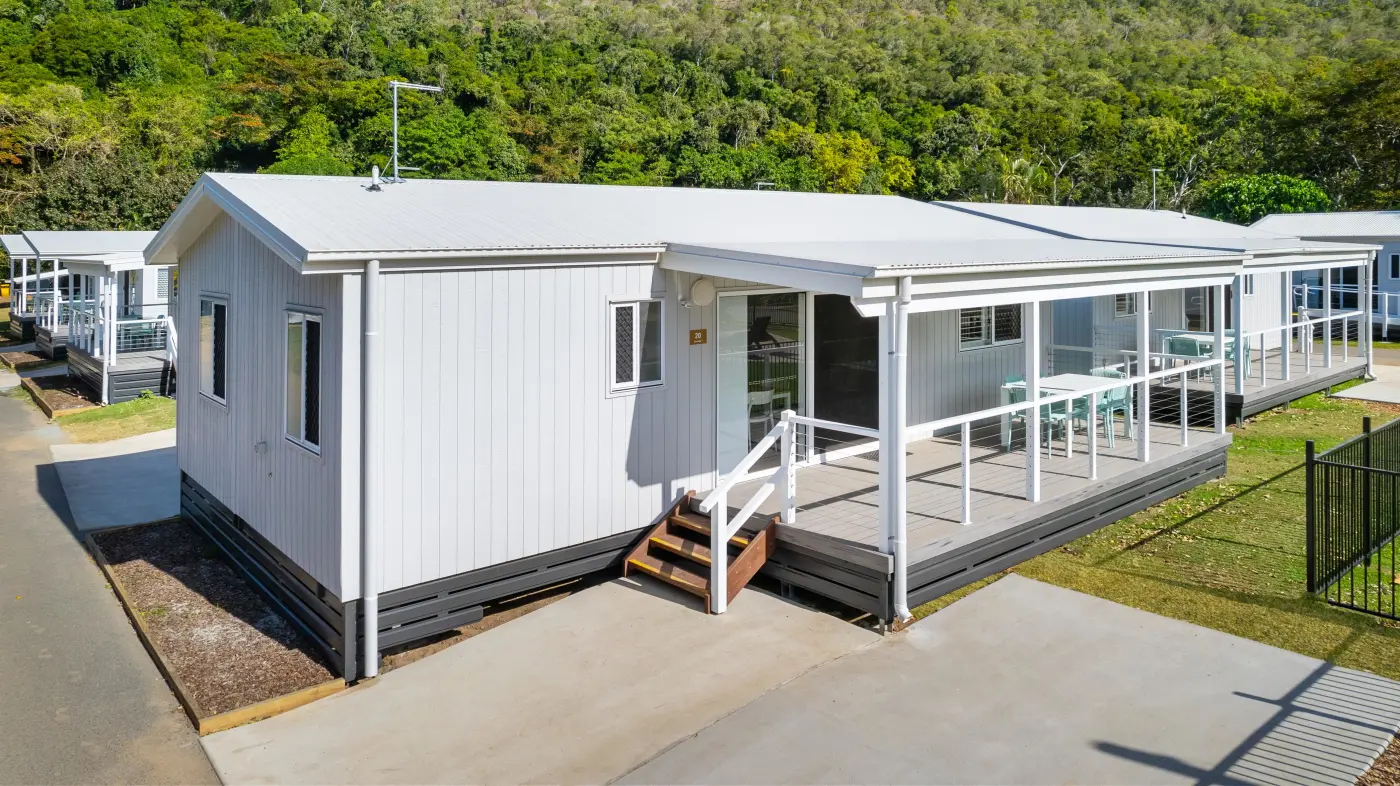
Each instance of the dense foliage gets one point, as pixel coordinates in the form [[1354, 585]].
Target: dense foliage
[[1248, 198], [110, 108]]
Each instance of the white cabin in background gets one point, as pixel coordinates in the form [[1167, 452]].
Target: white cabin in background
[[1380, 228], [402, 401]]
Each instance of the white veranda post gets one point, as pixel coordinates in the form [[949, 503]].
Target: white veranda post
[[1030, 328], [1218, 324], [1144, 356], [1286, 288], [1327, 319]]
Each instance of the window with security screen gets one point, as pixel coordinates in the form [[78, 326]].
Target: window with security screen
[[213, 347], [990, 326], [635, 328]]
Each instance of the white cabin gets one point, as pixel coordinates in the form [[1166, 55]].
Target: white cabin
[[402, 401]]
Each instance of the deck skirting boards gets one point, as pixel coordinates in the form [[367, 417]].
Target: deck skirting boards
[[1277, 394], [123, 384], [22, 328], [942, 573], [51, 342]]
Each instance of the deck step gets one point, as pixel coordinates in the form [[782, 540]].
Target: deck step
[[701, 524], [683, 547], [671, 574]]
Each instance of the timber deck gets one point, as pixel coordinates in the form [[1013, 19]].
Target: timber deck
[[834, 547], [1306, 376]]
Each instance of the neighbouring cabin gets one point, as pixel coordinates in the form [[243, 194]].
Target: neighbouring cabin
[[54, 307], [1315, 292], [23, 279], [507, 385]]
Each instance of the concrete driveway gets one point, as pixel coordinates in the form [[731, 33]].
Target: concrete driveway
[[579, 691], [134, 480], [1023, 682], [1385, 388]]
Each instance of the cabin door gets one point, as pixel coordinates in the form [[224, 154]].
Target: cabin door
[[761, 370], [845, 370]]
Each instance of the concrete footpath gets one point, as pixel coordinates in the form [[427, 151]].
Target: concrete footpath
[[579, 691], [81, 700], [134, 480], [1385, 388], [1027, 683]]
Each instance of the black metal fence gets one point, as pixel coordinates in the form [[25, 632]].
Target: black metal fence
[[1353, 499]]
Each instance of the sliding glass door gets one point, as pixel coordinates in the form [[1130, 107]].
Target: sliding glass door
[[761, 346]]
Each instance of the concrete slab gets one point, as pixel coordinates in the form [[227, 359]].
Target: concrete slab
[[1385, 388], [577, 692], [1023, 682], [125, 481], [9, 379]]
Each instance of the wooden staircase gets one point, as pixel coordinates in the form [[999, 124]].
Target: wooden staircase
[[677, 551]]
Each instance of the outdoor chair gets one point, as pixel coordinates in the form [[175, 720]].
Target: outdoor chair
[[1110, 402], [1051, 415]]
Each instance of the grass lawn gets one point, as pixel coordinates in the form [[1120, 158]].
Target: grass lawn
[[127, 419], [1229, 554]]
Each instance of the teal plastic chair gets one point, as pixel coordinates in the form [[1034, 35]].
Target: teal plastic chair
[[1052, 416], [1110, 403]]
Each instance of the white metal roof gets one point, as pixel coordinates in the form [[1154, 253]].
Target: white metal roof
[[17, 247], [1360, 224], [67, 243], [311, 219]]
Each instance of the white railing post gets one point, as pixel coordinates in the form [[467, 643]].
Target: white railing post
[[967, 472], [1263, 358], [719, 555], [1094, 436], [1144, 409], [1327, 321], [788, 446], [1183, 409]]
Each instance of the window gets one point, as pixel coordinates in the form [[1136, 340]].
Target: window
[[636, 345], [1395, 265], [304, 379], [1248, 285], [1125, 304], [163, 284], [986, 327], [213, 346]]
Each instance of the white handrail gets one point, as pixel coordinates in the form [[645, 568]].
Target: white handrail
[[729, 481], [834, 426]]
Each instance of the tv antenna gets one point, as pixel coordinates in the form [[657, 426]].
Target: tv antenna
[[1154, 188], [395, 85]]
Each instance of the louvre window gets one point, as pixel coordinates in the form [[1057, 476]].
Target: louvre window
[[213, 347], [304, 379], [1126, 304], [636, 345], [986, 327], [163, 284]]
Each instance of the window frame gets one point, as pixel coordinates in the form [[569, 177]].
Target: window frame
[[307, 315], [215, 300], [1247, 283], [1394, 266], [1133, 299], [615, 388], [989, 339]]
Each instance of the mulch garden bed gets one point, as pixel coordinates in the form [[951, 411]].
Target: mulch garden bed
[[19, 361], [223, 645], [59, 395]]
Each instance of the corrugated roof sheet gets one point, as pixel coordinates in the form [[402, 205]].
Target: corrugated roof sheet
[[16, 246], [1114, 223], [64, 243], [327, 215], [1360, 224]]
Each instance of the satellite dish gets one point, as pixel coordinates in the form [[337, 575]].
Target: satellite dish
[[702, 292]]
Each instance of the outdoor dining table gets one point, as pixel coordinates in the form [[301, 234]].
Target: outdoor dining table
[[1206, 340], [1060, 383]]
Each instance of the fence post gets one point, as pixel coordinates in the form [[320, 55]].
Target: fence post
[[1311, 503], [1366, 486]]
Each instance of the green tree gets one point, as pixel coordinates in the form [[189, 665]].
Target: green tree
[[311, 148], [1246, 199]]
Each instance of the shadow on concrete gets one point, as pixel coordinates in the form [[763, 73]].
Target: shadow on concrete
[[118, 490], [1327, 729]]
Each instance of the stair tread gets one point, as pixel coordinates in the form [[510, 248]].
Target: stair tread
[[701, 524], [683, 547], [672, 574]]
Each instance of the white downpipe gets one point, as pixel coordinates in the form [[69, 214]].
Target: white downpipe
[[899, 369], [369, 531]]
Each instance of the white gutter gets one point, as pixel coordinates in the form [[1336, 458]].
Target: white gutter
[[369, 534], [899, 461]]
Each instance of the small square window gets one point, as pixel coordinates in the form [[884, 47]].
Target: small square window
[[635, 327], [990, 326]]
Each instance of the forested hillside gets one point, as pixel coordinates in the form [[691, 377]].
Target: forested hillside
[[108, 112]]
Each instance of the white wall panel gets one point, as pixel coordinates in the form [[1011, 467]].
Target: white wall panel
[[289, 495]]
